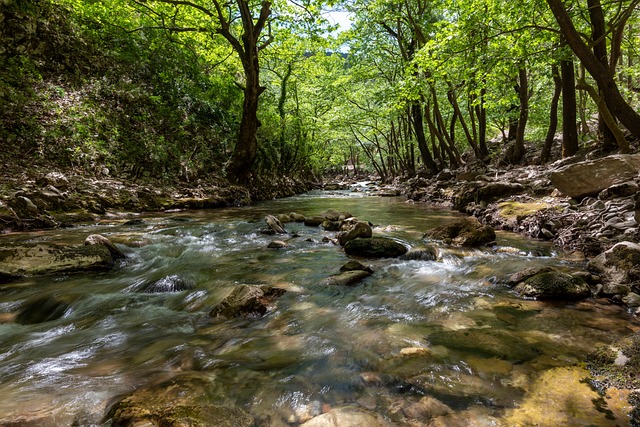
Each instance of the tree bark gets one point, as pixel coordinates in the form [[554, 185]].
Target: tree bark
[[523, 96], [569, 126], [418, 127], [553, 115], [600, 73]]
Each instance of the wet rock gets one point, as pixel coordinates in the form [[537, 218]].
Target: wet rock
[[561, 396], [342, 417], [620, 264], [331, 215], [172, 283], [464, 232], [591, 177], [502, 344], [246, 301], [277, 244], [631, 300], [42, 309], [29, 259], [624, 189], [274, 224], [428, 253], [331, 225], [284, 218], [354, 265], [98, 239], [477, 191], [314, 221], [360, 230], [375, 247], [296, 217], [553, 284], [24, 207], [347, 278], [186, 400]]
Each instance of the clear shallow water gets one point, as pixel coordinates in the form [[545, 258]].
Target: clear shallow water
[[320, 347]]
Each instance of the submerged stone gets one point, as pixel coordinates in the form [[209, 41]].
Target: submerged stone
[[246, 301], [347, 278], [172, 283], [42, 309], [342, 417], [428, 253]]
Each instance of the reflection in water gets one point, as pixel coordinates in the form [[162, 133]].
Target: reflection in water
[[416, 336]]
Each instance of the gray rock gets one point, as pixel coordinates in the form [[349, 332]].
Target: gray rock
[[98, 239], [274, 224], [464, 232], [631, 299], [624, 189], [620, 264], [345, 417], [428, 253], [591, 177], [553, 285], [354, 265], [375, 247], [314, 221], [277, 244], [359, 230], [347, 278], [172, 283], [246, 301], [29, 259]]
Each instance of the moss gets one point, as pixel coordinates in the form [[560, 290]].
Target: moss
[[518, 211]]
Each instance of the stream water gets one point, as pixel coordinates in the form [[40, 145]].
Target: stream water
[[395, 338]]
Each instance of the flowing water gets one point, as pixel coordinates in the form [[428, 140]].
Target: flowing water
[[446, 329]]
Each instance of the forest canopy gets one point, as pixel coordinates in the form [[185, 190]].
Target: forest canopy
[[246, 89]]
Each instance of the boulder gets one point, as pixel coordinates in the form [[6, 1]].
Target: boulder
[[525, 274], [478, 191], [354, 265], [428, 253], [466, 231], [553, 284], [274, 224], [189, 399], [331, 225], [296, 217], [29, 259], [347, 278], [360, 230], [246, 301], [624, 189], [313, 221], [620, 264], [342, 417], [375, 247], [591, 177], [98, 239], [277, 244]]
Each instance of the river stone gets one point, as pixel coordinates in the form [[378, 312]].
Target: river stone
[[428, 253], [185, 400], [360, 230], [331, 225], [29, 259], [297, 217], [624, 189], [246, 301], [553, 285], [23, 207], [523, 275], [375, 247], [620, 264], [274, 224], [466, 231], [98, 239], [277, 244], [313, 221], [591, 177], [343, 417], [354, 265], [172, 283], [347, 278], [475, 192], [502, 344]]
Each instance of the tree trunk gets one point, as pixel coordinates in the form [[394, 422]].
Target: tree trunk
[[418, 127], [553, 115], [569, 127], [523, 96], [616, 103]]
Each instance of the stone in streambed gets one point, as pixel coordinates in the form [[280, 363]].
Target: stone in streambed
[[98, 239], [343, 417], [347, 278], [246, 301], [274, 224], [172, 283], [277, 244], [464, 232], [360, 230], [428, 253], [375, 247], [553, 284], [42, 309]]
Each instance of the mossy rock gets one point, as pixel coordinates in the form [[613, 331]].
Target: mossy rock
[[463, 232], [553, 285], [518, 211], [186, 400], [246, 301], [487, 343], [375, 247], [347, 278]]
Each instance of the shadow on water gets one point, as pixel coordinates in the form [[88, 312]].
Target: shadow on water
[[411, 332]]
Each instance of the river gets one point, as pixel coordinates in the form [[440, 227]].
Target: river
[[392, 340]]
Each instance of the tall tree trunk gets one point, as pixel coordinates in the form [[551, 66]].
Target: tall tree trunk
[[600, 73], [523, 96], [553, 115], [418, 127], [569, 127]]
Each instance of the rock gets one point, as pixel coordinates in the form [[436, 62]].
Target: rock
[[42, 309], [523, 275], [360, 230], [502, 344], [314, 221], [284, 218], [98, 239], [331, 225], [464, 232], [478, 191], [354, 265], [331, 215], [297, 217], [24, 207], [347, 278], [428, 253], [620, 264], [553, 285], [277, 244], [28, 259], [624, 189], [57, 179], [375, 247], [246, 301], [591, 177], [172, 283], [345, 417], [185, 400], [631, 300], [274, 224]]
